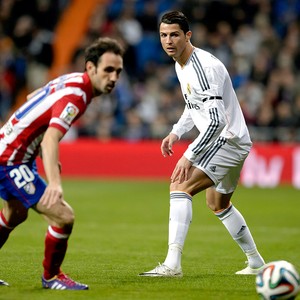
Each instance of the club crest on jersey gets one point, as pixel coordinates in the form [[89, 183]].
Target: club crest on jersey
[[69, 113], [29, 188], [189, 89]]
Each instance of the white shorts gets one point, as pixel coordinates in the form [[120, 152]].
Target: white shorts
[[224, 167]]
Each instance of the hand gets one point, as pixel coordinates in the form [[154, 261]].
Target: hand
[[167, 143], [52, 195], [181, 171]]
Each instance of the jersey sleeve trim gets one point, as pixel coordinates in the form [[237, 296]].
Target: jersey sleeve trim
[[60, 128], [58, 123]]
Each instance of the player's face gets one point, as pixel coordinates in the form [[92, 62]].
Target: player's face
[[105, 75], [173, 40]]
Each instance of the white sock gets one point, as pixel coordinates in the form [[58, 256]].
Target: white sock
[[179, 222], [238, 229]]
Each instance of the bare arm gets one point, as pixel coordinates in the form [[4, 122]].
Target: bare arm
[[50, 154]]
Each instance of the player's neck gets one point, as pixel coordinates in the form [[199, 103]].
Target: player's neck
[[186, 54], [96, 92]]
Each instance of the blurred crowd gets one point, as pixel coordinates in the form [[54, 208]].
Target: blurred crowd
[[26, 46], [257, 40]]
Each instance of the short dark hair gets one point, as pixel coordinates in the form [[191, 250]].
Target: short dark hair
[[101, 46], [176, 17]]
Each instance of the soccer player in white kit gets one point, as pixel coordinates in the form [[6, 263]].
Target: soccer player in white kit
[[36, 128], [213, 161]]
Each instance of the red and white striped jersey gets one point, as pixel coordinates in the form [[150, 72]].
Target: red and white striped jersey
[[58, 104]]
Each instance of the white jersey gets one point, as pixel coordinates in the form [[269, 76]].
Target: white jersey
[[211, 105]]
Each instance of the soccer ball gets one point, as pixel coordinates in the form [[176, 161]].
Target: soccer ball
[[278, 280]]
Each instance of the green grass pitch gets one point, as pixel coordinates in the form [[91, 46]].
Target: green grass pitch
[[121, 230]]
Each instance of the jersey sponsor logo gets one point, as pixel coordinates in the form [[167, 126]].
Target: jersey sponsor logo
[[192, 105], [188, 103], [69, 113]]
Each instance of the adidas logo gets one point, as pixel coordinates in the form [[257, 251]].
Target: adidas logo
[[242, 229], [213, 168]]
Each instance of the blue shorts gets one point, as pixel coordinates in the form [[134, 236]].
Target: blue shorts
[[21, 182]]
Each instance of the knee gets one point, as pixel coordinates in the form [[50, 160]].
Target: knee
[[175, 187], [68, 218], [65, 218]]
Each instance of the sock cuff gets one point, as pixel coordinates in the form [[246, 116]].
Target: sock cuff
[[180, 195], [223, 212], [58, 233]]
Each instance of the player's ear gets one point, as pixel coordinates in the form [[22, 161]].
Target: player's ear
[[188, 36], [89, 66]]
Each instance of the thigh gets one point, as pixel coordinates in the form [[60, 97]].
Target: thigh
[[198, 181]]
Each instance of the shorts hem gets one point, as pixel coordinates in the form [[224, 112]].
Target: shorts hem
[[210, 175]]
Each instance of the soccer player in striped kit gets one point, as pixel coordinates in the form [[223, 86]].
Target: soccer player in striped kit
[[213, 161], [36, 128]]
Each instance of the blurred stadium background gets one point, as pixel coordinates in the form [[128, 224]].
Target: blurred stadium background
[[257, 40]]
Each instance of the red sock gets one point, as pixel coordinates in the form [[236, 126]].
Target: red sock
[[5, 230], [56, 244]]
